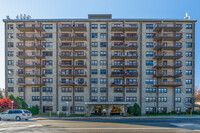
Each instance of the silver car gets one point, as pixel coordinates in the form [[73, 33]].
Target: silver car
[[16, 114]]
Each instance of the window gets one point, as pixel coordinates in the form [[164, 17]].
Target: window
[[162, 90], [48, 26], [149, 63], [10, 62], [10, 71], [188, 36], [94, 99], [47, 98], [48, 62], [48, 71], [103, 53], [131, 90], [103, 71], [178, 90], [189, 100], [94, 81], [48, 53], [103, 81], [178, 109], [48, 80], [94, 26], [48, 44], [150, 90], [188, 72], [66, 98], [149, 26], [131, 99], [103, 62], [10, 53], [103, 35], [94, 53], [66, 89], [10, 80], [10, 26], [94, 62], [149, 44], [94, 71], [94, 90], [150, 109], [103, 90], [79, 108], [47, 89], [188, 45], [188, 26], [94, 35], [79, 98], [150, 99], [149, 54], [103, 26], [118, 90], [118, 99], [188, 90], [48, 35], [188, 63], [10, 89], [103, 99], [10, 35], [149, 81], [65, 108], [21, 89], [188, 81], [35, 89], [103, 44], [35, 98], [178, 80], [10, 44], [94, 44], [177, 99], [79, 89], [188, 54], [149, 72], [149, 35], [162, 99]]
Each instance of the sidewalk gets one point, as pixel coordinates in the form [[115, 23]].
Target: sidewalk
[[115, 118]]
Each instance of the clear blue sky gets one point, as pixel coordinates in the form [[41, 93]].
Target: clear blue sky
[[118, 8]]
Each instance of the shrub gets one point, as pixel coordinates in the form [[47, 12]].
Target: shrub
[[130, 110], [173, 112], [136, 110], [34, 110]]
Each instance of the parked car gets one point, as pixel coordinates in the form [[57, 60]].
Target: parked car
[[16, 114]]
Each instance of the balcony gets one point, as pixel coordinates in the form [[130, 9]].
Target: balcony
[[124, 84], [160, 74], [30, 37], [72, 83], [70, 55], [75, 27], [124, 74], [168, 46], [30, 27], [20, 64], [168, 55], [168, 83], [167, 27], [70, 46], [126, 27], [75, 37], [122, 37], [29, 55], [30, 73], [71, 74], [66, 37], [31, 83], [29, 46], [127, 55], [124, 46], [168, 36], [127, 65], [167, 65], [76, 65], [131, 37]]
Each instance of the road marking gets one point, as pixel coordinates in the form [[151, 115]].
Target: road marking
[[185, 124], [19, 128]]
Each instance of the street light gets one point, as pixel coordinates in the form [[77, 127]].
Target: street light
[[12, 104], [67, 111]]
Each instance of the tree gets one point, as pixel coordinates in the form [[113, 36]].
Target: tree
[[5, 104], [136, 110], [130, 110], [21, 103], [1, 96], [197, 94]]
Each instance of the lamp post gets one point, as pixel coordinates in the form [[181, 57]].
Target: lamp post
[[12, 104], [67, 110]]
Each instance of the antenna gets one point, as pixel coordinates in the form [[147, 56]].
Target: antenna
[[186, 16]]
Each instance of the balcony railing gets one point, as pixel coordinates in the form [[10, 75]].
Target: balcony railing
[[72, 55], [75, 37], [168, 27], [30, 73], [124, 83], [29, 83], [160, 74], [127, 74], [168, 36], [124, 55], [63, 64], [75, 27], [168, 83], [70, 45], [133, 65], [30, 46], [69, 74], [73, 83], [30, 55], [28, 27], [20, 64], [126, 27], [168, 46], [129, 45], [168, 65], [122, 37], [30, 36], [168, 55]]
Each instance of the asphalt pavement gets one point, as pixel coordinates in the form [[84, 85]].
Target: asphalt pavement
[[178, 125]]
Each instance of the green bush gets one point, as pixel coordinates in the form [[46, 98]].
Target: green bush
[[1, 96], [34, 110], [136, 110], [130, 110], [173, 113]]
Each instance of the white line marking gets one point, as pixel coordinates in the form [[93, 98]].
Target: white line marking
[[115, 128]]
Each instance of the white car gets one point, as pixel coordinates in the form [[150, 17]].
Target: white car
[[16, 114]]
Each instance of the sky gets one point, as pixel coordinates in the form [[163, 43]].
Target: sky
[[41, 9]]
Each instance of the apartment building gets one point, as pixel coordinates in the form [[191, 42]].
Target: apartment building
[[101, 65]]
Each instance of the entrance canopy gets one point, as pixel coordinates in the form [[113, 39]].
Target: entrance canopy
[[108, 103]]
